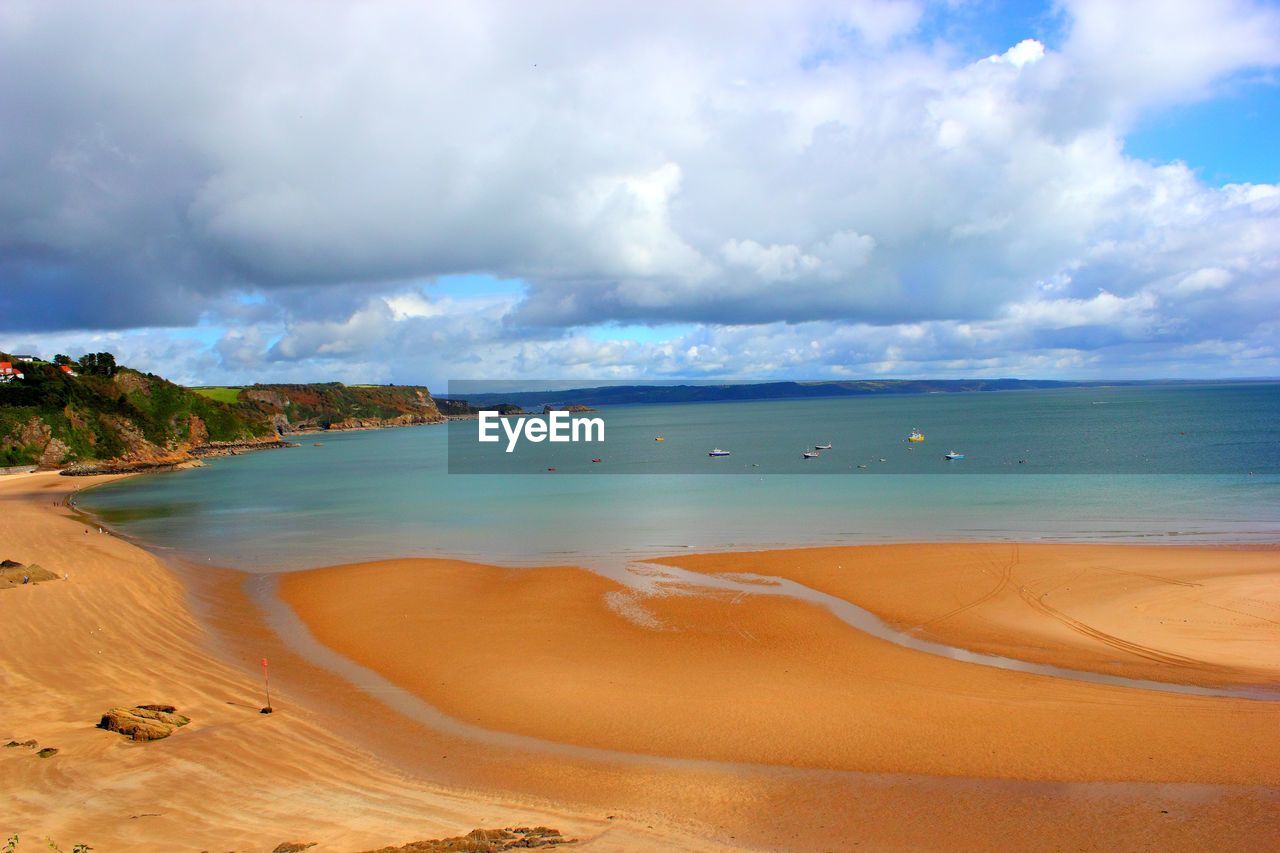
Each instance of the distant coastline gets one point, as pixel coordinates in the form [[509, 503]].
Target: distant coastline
[[662, 394]]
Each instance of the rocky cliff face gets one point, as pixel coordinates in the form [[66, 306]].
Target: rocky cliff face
[[132, 421], [307, 408], [125, 420]]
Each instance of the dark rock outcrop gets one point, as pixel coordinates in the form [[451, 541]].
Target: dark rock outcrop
[[486, 841], [572, 407], [13, 573], [143, 722], [234, 448]]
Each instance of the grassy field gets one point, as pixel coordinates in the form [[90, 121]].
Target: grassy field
[[221, 394]]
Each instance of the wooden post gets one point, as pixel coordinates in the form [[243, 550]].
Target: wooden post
[[267, 683]]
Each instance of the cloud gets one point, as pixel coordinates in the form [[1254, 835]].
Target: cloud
[[1145, 53], [757, 169], [1023, 53]]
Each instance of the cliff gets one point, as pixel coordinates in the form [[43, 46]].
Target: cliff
[[332, 405], [121, 420], [128, 419]]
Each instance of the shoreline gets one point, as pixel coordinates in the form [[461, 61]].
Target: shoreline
[[211, 450], [439, 773], [125, 627]]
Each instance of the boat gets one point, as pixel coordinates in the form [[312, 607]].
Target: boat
[[659, 438], [810, 454], [826, 446], [952, 456], [718, 452], [597, 459], [916, 436]]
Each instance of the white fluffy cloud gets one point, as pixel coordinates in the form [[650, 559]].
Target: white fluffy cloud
[[810, 183]]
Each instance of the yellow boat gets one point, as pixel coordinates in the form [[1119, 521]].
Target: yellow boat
[[916, 436], [659, 438]]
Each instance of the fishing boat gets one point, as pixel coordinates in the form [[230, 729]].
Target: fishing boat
[[659, 438], [826, 446], [916, 436], [597, 459], [953, 456], [718, 452], [810, 454]]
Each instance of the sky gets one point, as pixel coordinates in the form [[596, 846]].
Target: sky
[[229, 192]]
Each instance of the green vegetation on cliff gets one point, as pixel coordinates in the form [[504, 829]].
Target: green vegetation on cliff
[[110, 413], [52, 418], [222, 394]]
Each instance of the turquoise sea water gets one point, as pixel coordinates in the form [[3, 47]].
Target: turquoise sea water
[[1160, 464]]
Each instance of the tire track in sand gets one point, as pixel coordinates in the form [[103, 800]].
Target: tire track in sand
[[1005, 573], [1147, 652]]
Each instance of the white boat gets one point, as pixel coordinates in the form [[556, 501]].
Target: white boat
[[826, 446], [718, 452], [809, 454], [952, 456]]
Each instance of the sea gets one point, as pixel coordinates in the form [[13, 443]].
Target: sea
[[1175, 464]]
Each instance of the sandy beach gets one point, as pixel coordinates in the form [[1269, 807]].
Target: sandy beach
[[765, 679], [679, 718], [123, 628]]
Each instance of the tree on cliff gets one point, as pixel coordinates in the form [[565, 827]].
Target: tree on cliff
[[98, 364]]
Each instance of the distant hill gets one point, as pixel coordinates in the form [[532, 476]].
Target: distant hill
[[640, 394], [111, 418]]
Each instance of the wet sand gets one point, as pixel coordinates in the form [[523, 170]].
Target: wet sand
[[1201, 615], [737, 677], [790, 730]]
